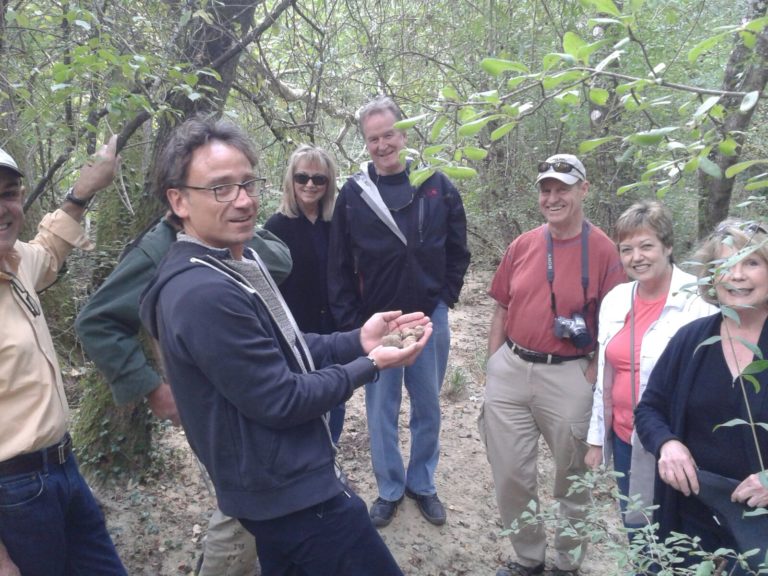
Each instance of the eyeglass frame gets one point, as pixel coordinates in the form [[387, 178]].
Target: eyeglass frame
[[554, 165], [25, 296], [258, 187], [302, 175]]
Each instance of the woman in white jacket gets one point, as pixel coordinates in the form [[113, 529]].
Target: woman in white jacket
[[640, 316]]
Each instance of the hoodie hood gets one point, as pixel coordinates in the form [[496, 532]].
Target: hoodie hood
[[177, 261]]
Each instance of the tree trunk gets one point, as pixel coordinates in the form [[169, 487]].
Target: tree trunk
[[747, 71], [114, 439]]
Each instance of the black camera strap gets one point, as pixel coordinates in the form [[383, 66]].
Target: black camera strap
[[584, 267]]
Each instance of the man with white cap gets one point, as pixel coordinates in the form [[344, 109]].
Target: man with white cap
[[541, 368], [50, 523]]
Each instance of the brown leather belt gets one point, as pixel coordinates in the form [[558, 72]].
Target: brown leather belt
[[539, 357], [34, 461]]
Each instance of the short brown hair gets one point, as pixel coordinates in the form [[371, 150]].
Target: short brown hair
[[740, 234], [646, 214], [315, 155]]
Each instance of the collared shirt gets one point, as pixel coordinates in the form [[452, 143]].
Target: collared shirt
[[33, 406]]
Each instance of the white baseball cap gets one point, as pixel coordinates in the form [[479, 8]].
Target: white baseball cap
[[564, 167], [6, 161]]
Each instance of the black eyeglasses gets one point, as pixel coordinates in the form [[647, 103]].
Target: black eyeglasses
[[318, 179], [229, 192], [25, 297], [560, 167]]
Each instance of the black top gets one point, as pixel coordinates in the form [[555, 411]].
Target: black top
[[306, 288]]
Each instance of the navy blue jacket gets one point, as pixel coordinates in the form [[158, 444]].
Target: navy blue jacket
[[370, 270], [250, 414], [660, 415]]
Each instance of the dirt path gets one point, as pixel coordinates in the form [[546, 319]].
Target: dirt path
[[158, 527]]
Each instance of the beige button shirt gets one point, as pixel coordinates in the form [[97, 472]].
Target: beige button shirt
[[33, 407]]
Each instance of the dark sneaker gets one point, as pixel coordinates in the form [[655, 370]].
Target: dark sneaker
[[430, 506], [517, 569], [382, 511]]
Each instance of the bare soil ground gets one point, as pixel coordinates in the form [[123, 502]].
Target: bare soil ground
[[159, 526]]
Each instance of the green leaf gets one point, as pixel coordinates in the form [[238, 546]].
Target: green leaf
[[599, 96], [550, 82], [748, 38], [82, 24], [459, 172], [514, 82], [572, 44], [751, 346], [754, 381], [705, 45], [763, 477], [418, 177], [755, 367], [502, 131], [589, 145], [474, 153], [707, 342], [472, 128], [705, 106], [732, 171], [449, 93], [650, 137], [749, 101], [497, 66], [756, 185], [708, 167], [588, 49], [604, 6], [554, 58], [706, 568], [732, 423], [437, 127], [729, 312], [432, 150], [407, 123], [728, 147], [626, 188]]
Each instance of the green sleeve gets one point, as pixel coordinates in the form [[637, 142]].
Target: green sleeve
[[108, 326], [273, 252]]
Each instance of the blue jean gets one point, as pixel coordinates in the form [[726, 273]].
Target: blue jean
[[335, 538], [423, 381], [51, 524]]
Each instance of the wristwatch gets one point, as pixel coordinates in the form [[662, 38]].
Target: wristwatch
[[70, 197]]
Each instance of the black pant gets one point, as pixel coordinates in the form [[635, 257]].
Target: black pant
[[335, 538]]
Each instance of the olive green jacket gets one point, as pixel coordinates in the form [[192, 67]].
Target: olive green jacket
[[108, 326]]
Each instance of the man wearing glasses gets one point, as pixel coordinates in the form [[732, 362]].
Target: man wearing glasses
[[50, 523], [252, 391], [108, 327], [541, 367], [396, 246]]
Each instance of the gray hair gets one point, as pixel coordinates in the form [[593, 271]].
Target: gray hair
[[378, 105]]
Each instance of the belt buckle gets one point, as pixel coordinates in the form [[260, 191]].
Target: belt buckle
[[61, 450]]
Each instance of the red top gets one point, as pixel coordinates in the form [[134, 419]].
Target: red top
[[617, 354], [520, 285]]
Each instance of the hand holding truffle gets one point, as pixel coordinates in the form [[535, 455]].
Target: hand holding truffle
[[394, 339]]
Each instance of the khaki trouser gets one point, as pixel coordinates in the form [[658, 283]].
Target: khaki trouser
[[522, 402], [228, 549]]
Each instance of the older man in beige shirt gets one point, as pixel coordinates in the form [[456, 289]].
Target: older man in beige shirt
[[50, 523]]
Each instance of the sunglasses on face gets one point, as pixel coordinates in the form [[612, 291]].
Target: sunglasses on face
[[318, 179], [560, 167]]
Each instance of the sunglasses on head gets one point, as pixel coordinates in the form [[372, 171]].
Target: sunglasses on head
[[560, 167], [318, 179]]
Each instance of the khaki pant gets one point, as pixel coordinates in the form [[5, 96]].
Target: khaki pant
[[228, 549], [524, 401]]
